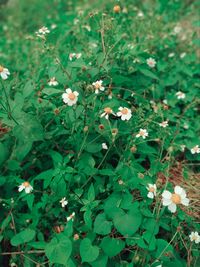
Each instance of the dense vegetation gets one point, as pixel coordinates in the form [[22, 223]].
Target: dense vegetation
[[99, 136]]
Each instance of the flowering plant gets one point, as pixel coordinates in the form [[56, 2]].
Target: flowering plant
[[99, 148]]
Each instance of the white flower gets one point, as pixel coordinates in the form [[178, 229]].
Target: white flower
[[152, 190], [98, 86], [53, 82], [71, 217], [76, 21], [164, 124], [180, 95], [194, 236], [42, 31], [78, 55], [107, 111], [195, 149], [165, 101], [182, 55], [74, 55], [110, 96], [87, 27], [140, 14], [171, 55], [26, 187], [142, 133], [70, 98], [182, 148], [172, 200], [53, 26], [151, 62], [177, 29], [4, 73], [124, 113], [63, 202], [136, 60], [104, 146], [71, 56]]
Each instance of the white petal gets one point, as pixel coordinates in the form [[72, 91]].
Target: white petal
[[185, 201], [68, 90], [76, 93], [172, 207], [166, 202], [150, 195], [4, 76], [178, 190], [21, 188], [166, 194]]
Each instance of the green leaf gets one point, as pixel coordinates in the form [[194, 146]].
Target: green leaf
[[59, 250], [3, 153], [112, 246], [101, 225], [91, 193], [128, 223], [149, 73], [23, 237], [88, 252], [101, 261]]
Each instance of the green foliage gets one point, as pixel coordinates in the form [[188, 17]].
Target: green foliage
[[75, 177]]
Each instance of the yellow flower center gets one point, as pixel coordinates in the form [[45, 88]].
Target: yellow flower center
[[71, 96], [152, 189], [108, 110], [124, 111], [26, 184], [97, 85], [1, 68], [176, 199], [142, 133]]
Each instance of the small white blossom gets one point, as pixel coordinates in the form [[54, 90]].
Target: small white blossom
[[74, 56], [142, 133], [172, 200], [98, 86], [42, 31], [4, 73], [124, 113], [87, 27], [120, 182], [63, 202], [180, 95], [107, 111], [70, 98], [152, 190], [182, 55], [194, 237], [53, 26], [171, 55], [104, 146], [177, 29], [26, 187], [136, 60], [151, 62], [195, 149], [53, 82], [76, 21], [164, 124], [182, 148], [140, 14], [71, 217]]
